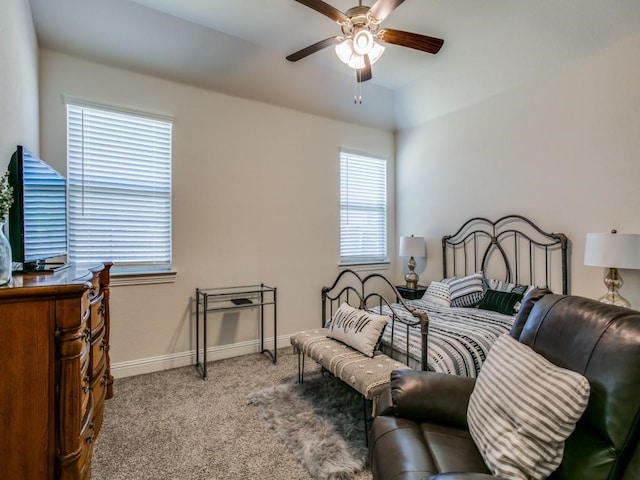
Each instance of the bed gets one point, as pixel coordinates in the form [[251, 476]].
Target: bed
[[490, 266]]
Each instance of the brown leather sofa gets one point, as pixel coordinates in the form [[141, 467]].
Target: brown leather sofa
[[421, 429]]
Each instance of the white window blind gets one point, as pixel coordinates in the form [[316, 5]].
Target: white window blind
[[119, 187], [363, 209]]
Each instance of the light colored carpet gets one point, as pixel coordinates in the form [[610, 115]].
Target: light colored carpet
[[172, 425]]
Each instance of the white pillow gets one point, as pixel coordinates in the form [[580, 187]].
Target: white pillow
[[522, 409], [467, 291], [357, 328], [438, 293]]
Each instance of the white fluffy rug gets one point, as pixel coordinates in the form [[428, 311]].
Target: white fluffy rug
[[320, 421]]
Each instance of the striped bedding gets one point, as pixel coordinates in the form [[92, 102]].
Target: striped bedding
[[459, 338]]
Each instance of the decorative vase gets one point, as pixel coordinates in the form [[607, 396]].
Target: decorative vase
[[5, 257]]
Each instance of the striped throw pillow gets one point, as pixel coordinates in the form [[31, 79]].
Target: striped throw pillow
[[438, 293], [467, 291], [493, 284], [522, 409]]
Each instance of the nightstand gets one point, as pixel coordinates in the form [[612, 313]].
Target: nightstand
[[411, 293]]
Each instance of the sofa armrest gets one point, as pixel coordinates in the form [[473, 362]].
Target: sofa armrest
[[431, 396], [525, 309], [384, 405]]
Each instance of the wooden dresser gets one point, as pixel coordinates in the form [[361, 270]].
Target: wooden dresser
[[54, 372]]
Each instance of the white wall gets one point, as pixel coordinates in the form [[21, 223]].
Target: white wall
[[255, 199], [564, 151], [18, 80]]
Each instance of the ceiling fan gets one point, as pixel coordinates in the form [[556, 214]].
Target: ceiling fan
[[359, 45]]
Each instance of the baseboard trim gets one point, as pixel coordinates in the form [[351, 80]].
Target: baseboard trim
[[182, 359]]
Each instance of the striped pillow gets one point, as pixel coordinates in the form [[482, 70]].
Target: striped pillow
[[467, 291], [501, 286], [438, 293], [522, 409]]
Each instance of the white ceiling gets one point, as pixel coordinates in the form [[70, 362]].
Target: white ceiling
[[238, 47]]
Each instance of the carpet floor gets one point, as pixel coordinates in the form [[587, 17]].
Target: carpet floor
[[172, 425]]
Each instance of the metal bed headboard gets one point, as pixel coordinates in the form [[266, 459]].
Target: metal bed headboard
[[512, 248], [372, 292]]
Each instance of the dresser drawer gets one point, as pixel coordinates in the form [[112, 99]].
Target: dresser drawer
[[98, 345], [85, 354], [85, 374], [87, 436], [85, 395], [91, 294], [96, 318], [99, 389], [94, 290]]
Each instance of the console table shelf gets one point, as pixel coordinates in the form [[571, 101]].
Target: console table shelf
[[223, 299]]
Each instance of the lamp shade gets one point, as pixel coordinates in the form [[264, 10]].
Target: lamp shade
[[412, 246], [612, 250]]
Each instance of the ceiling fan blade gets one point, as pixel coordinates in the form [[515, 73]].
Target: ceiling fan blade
[[382, 8], [325, 9], [300, 54], [364, 73], [411, 40]]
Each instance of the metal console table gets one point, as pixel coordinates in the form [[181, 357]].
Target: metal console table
[[233, 298]]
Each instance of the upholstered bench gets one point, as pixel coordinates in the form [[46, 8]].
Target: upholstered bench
[[369, 376]]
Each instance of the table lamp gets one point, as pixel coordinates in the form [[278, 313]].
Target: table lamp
[[613, 250], [412, 247]]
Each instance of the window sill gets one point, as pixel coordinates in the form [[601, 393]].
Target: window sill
[[127, 278]]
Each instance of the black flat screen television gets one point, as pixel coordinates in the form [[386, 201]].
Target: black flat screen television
[[38, 216]]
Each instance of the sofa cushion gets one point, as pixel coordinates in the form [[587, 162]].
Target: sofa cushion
[[408, 450], [357, 328], [522, 409]]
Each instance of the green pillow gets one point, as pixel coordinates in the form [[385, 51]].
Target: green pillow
[[501, 302]]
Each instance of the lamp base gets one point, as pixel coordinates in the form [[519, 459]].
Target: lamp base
[[613, 282], [412, 277], [615, 299]]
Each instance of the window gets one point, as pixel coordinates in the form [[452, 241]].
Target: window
[[119, 187], [363, 209]]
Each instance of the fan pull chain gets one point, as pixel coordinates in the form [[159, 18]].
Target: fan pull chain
[[357, 88]]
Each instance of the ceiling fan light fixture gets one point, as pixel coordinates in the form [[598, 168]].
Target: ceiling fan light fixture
[[344, 50], [356, 61], [376, 52], [362, 42], [348, 54]]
